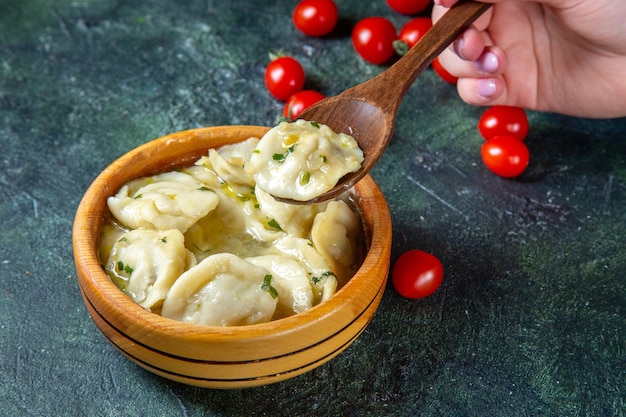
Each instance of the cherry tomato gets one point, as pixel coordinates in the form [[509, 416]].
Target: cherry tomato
[[414, 29], [503, 120], [316, 17], [300, 101], [506, 156], [284, 76], [408, 7], [443, 73], [373, 38], [416, 274]]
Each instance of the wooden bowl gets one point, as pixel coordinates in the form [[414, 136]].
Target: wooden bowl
[[223, 357]]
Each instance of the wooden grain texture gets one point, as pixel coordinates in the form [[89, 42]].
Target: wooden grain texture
[[223, 357], [368, 111]]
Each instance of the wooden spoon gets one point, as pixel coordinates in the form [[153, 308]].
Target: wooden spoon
[[368, 111]]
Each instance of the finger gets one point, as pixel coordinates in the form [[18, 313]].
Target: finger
[[471, 44], [482, 91], [491, 62]]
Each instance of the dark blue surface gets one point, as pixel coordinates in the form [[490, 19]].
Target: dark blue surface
[[530, 320]]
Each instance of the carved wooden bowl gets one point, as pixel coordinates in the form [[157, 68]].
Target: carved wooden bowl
[[223, 357]]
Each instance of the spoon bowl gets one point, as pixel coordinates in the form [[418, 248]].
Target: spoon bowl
[[368, 110]]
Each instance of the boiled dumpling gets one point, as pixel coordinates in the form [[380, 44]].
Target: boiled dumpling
[[226, 229], [290, 280], [261, 227], [109, 234], [222, 290], [145, 263], [240, 152], [203, 173], [302, 159], [335, 235], [295, 219], [172, 200], [229, 160], [323, 279]]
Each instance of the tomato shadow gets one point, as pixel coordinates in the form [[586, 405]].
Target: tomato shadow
[[343, 28]]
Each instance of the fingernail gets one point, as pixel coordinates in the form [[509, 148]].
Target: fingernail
[[486, 88], [458, 47], [487, 62]]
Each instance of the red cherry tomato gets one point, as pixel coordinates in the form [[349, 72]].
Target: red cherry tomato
[[416, 274], [300, 101], [443, 73], [284, 76], [503, 120], [316, 17], [408, 7], [414, 29], [373, 38], [506, 156]]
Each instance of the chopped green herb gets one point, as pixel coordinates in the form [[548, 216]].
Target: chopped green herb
[[138, 196], [126, 268], [305, 177], [323, 158], [274, 224], [123, 240], [203, 188], [315, 124], [164, 239], [256, 151], [267, 286], [280, 157], [321, 277]]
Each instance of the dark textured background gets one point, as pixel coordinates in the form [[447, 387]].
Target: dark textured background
[[530, 320]]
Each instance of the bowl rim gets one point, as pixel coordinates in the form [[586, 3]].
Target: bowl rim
[[93, 280]]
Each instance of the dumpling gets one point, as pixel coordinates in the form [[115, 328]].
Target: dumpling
[[235, 227], [145, 263], [203, 172], [172, 200], [295, 219], [240, 152], [301, 160], [228, 162], [291, 280], [335, 234], [222, 290], [222, 230], [263, 228], [109, 234], [323, 279]]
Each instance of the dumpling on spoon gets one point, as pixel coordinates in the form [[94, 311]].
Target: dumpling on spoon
[[302, 159]]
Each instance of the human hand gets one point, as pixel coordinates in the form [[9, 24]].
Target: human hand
[[564, 56]]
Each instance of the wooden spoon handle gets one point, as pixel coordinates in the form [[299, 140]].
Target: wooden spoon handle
[[401, 75]]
